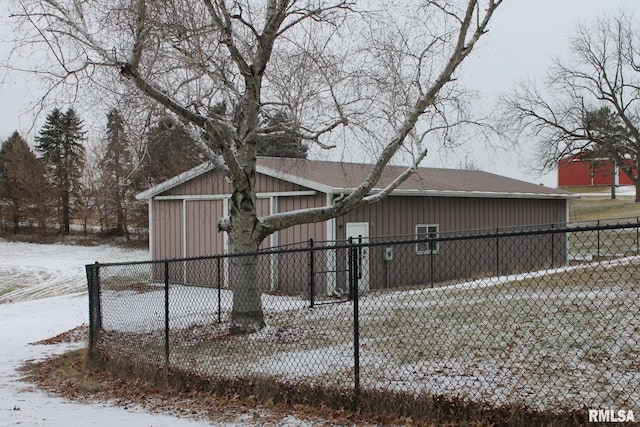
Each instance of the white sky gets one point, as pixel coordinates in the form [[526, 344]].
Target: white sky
[[524, 37]]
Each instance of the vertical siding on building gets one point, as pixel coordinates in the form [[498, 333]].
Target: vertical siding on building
[[189, 228], [576, 172], [168, 236], [293, 268], [304, 232], [167, 229], [268, 184], [215, 183], [202, 238], [202, 235], [398, 216]]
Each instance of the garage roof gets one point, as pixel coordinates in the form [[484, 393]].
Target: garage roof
[[342, 177]]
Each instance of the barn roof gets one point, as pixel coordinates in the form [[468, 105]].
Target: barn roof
[[341, 177]]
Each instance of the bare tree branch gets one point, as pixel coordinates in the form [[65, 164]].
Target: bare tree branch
[[601, 78], [222, 66]]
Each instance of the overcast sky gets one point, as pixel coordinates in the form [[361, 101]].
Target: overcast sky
[[524, 37], [523, 40]]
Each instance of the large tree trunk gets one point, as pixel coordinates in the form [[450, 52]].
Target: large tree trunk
[[636, 182], [247, 315]]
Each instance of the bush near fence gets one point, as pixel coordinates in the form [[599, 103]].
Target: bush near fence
[[536, 326]]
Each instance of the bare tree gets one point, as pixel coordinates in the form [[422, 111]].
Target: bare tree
[[590, 104], [384, 76], [95, 201]]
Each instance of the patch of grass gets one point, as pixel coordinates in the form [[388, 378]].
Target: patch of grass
[[528, 339], [604, 190], [481, 323], [7, 290], [75, 238], [593, 208], [71, 374], [605, 243]]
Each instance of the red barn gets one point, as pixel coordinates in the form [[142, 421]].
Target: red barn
[[575, 171]]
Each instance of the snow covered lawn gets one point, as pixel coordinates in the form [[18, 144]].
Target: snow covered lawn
[[42, 294], [22, 405], [554, 339], [29, 270], [551, 339]]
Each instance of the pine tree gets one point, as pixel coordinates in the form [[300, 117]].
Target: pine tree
[[61, 144], [282, 141], [117, 166], [170, 150], [22, 184]]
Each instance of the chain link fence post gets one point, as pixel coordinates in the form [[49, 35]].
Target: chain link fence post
[[312, 274], [431, 266], [553, 252], [219, 286], [637, 248], [598, 240], [497, 252], [166, 316], [95, 315], [354, 268]]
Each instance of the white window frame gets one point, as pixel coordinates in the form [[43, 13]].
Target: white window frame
[[431, 231]]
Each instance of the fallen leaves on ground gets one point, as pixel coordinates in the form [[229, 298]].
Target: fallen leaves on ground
[[73, 376]]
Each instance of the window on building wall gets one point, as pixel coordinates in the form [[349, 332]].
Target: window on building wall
[[426, 231]]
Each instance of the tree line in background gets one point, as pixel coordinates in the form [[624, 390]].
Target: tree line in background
[[60, 182]]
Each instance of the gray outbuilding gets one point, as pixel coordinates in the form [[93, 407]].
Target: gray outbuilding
[[183, 211]]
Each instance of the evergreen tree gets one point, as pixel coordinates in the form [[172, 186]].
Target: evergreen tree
[[22, 184], [61, 144], [170, 150], [282, 141], [278, 137], [117, 166]]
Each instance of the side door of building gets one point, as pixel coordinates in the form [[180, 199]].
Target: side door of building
[[359, 231]]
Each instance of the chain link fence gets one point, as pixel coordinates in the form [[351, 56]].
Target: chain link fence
[[544, 320]]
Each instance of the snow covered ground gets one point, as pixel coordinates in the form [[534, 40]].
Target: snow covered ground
[[42, 295], [29, 270], [22, 405]]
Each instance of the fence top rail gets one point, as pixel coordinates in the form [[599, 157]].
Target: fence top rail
[[344, 244]]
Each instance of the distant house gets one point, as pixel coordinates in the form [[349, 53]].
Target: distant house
[[183, 211], [577, 171]]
